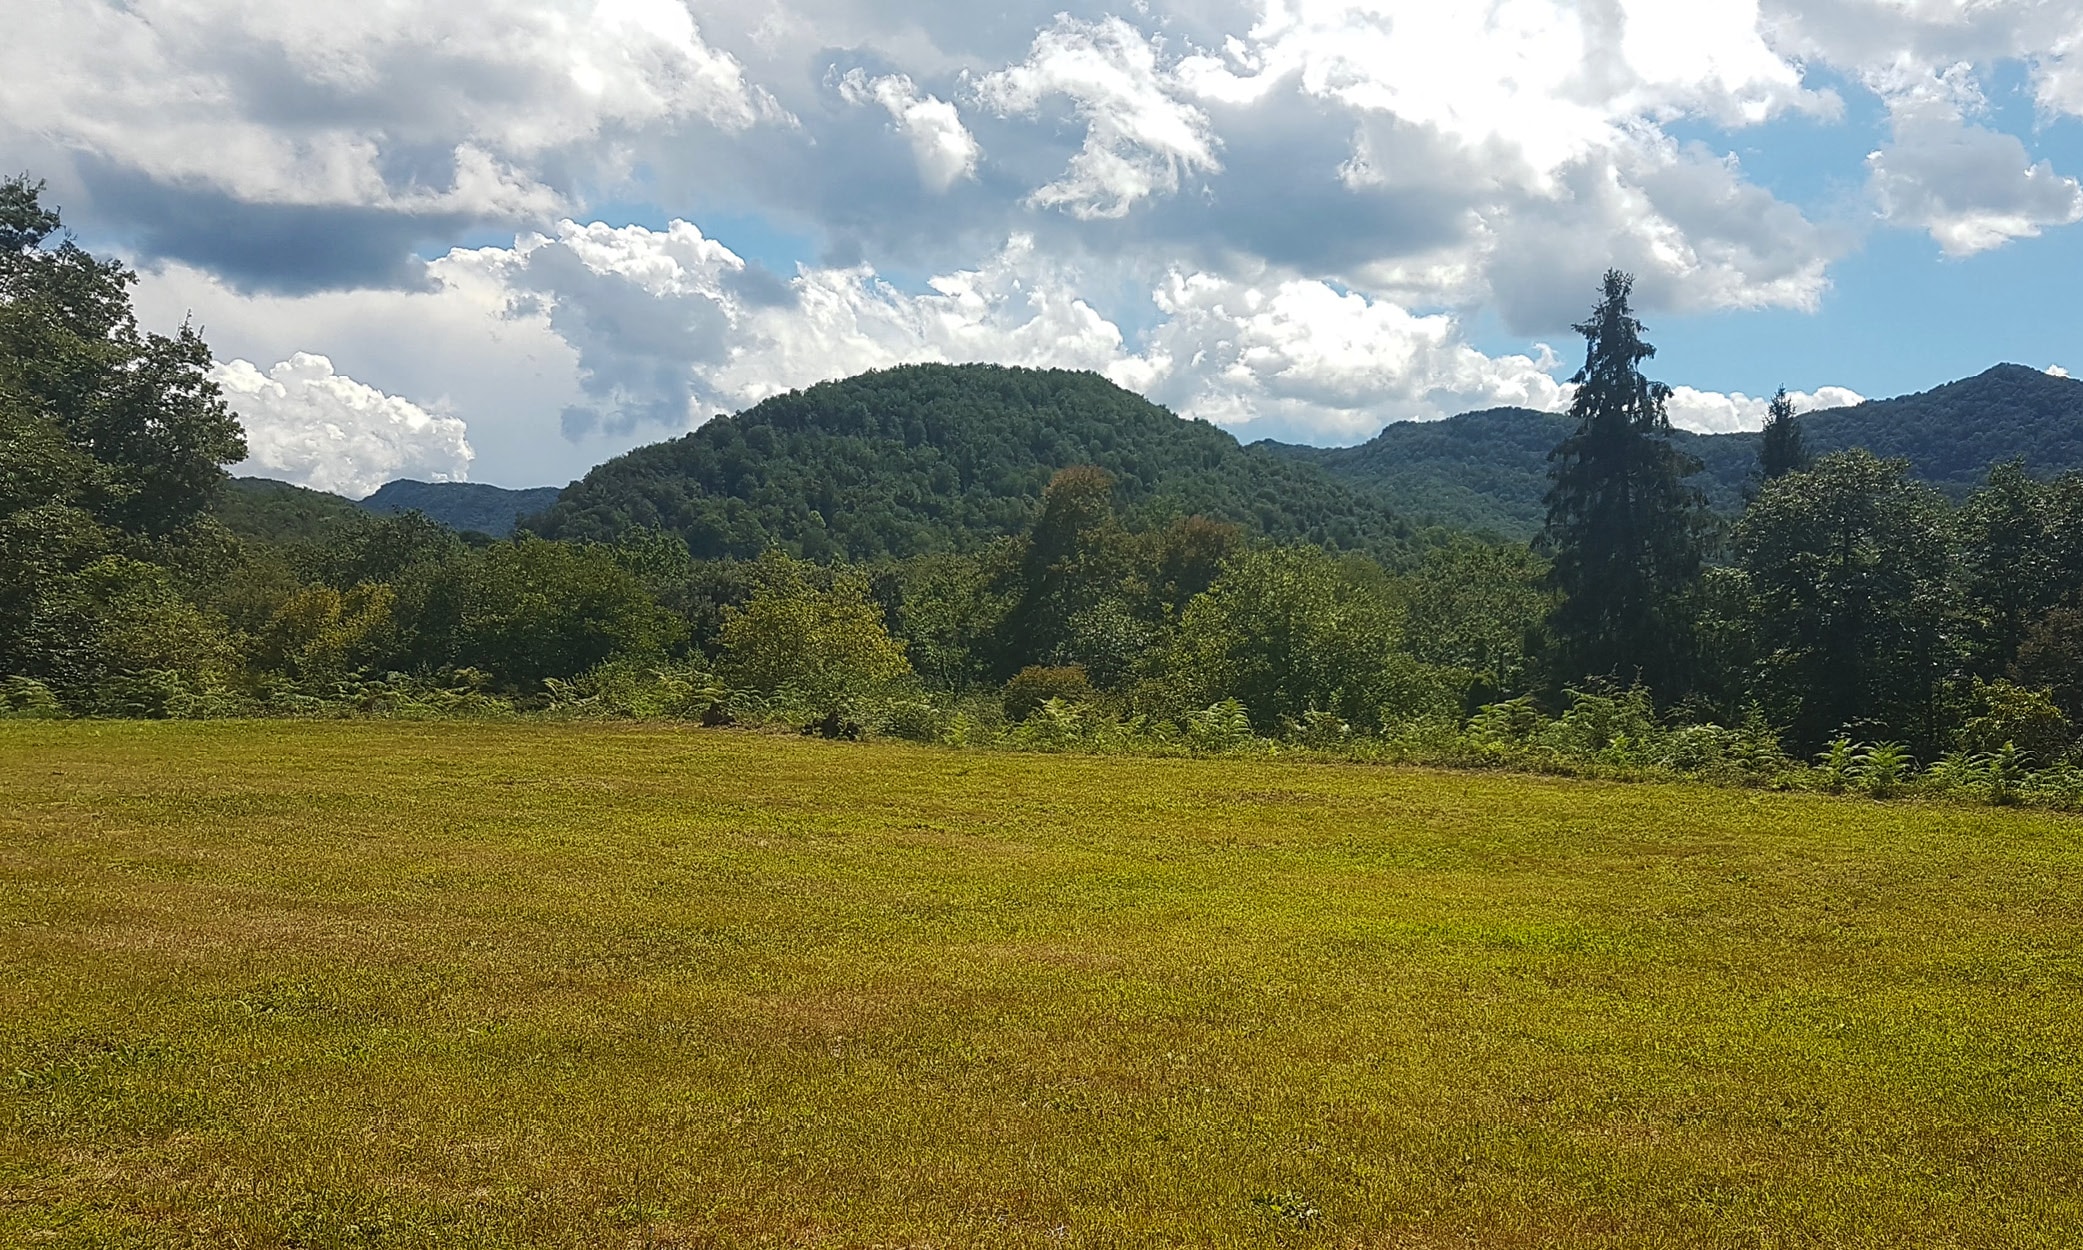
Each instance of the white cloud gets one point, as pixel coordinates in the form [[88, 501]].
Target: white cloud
[[307, 424], [1276, 213], [1300, 358], [1141, 139], [1970, 187], [1711, 412], [1536, 84], [414, 106], [670, 325], [945, 150]]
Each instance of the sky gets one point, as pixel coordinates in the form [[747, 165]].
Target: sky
[[506, 240]]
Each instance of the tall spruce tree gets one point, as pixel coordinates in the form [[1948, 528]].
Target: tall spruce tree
[[1782, 451], [1623, 528]]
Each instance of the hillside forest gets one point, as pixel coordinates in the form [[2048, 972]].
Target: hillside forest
[[986, 555]]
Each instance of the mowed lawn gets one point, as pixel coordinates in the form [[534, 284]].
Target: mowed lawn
[[371, 984]]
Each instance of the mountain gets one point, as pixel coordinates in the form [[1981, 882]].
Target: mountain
[[1488, 470], [463, 506], [944, 457], [1952, 435], [258, 507]]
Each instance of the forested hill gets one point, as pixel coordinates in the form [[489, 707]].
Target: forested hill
[[465, 506], [943, 457], [1488, 470], [1953, 434], [938, 457], [259, 507]]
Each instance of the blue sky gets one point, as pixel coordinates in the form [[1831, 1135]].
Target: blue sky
[[505, 241]]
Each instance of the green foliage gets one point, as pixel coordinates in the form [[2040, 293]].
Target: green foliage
[[821, 648], [28, 698], [257, 508], [1036, 685], [73, 361], [2001, 712], [929, 458], [1219, 727], [1622, 529], [638, 688], [1835, 766], [1288, 631], [529, 610], [319, 633], [2050, 658], [144, 650], [1476, 607], [1848, 570], [950, 611], [1074, 563], [1780, 448], [1881, 770]]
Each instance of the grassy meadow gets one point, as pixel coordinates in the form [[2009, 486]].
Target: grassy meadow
[[369, 984]]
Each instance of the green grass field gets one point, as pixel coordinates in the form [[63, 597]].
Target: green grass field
[[370, 984]]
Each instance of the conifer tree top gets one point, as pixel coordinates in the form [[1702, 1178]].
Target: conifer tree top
[[1610, 386]]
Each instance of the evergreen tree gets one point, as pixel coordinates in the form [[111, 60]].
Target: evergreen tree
[[1781, 452], [1623, 529]]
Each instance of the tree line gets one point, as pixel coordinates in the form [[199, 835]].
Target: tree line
[[1847, 604]]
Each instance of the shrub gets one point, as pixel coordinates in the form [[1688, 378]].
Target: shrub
[[821, 651], [2003, 711], [1881, 770], [634, 687], [1057, 725], [1833, 767], [1225, 726], [29, 698], [1035, 685]]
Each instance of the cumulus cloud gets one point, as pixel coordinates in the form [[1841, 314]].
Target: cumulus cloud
[[1280, 214], [1537, 84], [1141, 138], [307, 424], [1711, 412], [1299, 358], [417, 110], [670, 325], [1970, 187], [943, 147]]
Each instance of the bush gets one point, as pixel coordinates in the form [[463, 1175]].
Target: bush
[[823, 652], [29, 699], [2004, 712], [1035, 685], [1224, 726], [633, 687]]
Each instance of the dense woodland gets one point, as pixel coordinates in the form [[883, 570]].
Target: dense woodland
[[1051, 562]]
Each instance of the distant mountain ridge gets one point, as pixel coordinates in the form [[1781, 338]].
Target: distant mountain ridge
[[941, 457], [1488, 470], [464, 506], [262, 507]]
